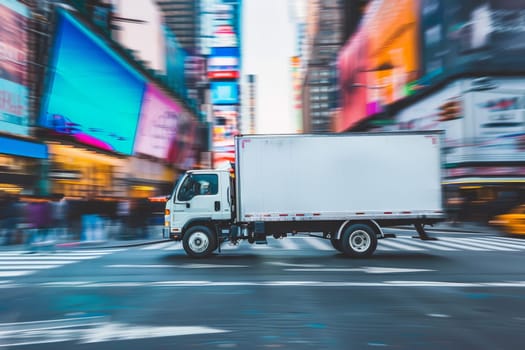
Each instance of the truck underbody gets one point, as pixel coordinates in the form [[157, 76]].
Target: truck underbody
[[354, 238]]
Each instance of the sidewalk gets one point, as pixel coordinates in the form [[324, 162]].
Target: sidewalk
[[67, 242]]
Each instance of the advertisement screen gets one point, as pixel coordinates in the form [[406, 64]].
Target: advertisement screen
[[166, 130], [472, 36], [224, 93], [223, 67], [13, 68], [93, 96], [224, 131], [392, 30]]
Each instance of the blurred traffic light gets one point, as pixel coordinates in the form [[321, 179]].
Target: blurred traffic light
[[450, 110]]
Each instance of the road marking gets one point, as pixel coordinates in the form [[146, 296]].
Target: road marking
[[416, 283], [278, 263], [500, 243], [87, 330], [298, 283], [288, 244], [184, 266], [438, 315], [25, 267], [427, 244], [474, 243], [402, 246], [15, 263], [461, 244], [317, 243], [158, 246], [514, 242], [36, 261], [371, 269], [15, 273], [174, 246], [230, 246]]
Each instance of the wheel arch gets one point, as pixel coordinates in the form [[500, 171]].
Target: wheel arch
[[371, 223], [204, 221]]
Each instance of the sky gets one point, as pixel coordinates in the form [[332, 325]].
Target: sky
[[268, 43]]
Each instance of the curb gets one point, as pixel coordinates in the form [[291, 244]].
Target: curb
[[79, 245], [89, 245]]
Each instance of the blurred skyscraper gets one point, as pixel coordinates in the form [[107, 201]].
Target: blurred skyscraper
[[324, 38]]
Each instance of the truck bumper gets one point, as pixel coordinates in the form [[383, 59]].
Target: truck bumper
[[177, 236]]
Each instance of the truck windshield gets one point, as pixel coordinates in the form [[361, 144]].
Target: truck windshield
[[177, 183]]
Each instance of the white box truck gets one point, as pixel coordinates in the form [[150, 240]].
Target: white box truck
[[345, 187]]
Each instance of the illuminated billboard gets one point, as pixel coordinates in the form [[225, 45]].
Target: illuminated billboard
[[165, 129], [471, 36], [352, 82], [223, 67], [392, 29], [380, 63], [13, 68], [224, 93], [93, 96], [224, 131]]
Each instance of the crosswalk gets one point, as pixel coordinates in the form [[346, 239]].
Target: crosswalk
[[401, 243], [22, 263]]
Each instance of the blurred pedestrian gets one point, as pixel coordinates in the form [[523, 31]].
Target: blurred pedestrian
[[454, 207], [59, 215], [40, 219], [8, 210]]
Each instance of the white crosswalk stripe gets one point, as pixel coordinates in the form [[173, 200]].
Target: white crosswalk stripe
[[22, 263], [515, 241], [401, 243], [158, 245], [426, 244]]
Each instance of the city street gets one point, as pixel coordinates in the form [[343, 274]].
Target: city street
[[464, 291]]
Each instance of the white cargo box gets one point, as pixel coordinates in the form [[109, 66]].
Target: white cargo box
[[339, 176]]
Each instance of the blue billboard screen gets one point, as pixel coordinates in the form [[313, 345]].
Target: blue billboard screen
[[93, 96], [224, 93]]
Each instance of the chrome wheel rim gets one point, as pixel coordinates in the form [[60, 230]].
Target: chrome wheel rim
[[198, 242], [360, 241]]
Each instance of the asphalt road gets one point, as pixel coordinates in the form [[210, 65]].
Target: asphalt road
[[461, 292]]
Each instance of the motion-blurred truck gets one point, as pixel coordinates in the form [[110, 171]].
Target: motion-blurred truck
[[342, 187]]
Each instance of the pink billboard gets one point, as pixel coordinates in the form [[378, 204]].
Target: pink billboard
[[166, 130], [352, 67]]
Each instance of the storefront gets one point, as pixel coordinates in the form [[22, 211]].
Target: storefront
[[82, 173], [22, 166]]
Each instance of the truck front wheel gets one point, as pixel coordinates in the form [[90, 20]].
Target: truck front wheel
[[199, 242], [358, 241]]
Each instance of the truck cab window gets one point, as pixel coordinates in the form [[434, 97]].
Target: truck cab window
[[198, 185]]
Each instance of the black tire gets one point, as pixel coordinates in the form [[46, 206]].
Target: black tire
[[336, 243], [358, 241], [199, 242]]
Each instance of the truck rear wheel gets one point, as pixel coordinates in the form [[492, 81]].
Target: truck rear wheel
[[359, 241], [199, 242]]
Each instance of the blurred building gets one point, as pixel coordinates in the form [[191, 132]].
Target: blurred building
[[451, 66], [23, 157], [324, 37], [252, 103], [182, 17], [86, 113]]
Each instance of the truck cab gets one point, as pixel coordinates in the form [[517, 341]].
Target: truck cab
[[201, 198]]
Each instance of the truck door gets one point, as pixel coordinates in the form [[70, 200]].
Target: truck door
[[198, 197]]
